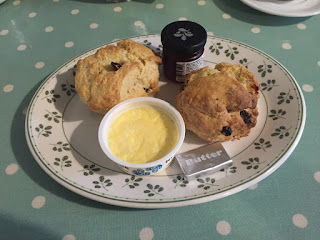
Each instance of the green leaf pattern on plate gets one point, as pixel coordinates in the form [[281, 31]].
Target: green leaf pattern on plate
[[252, 163], [262, 144], [264, 69], [52, 116], [89, 169], [229, 170], [206, 183], [63, 162], [244, 62], [50, 96], [146, 42], [281, 131], [159, 49], [285, 97], [231, 52], [68, 88], [275, 115], [43, 131], [215, 48], [74, 70], [180, 181], [102, 182], [268, 85], [132, 182], [153, 190], [60, 146]]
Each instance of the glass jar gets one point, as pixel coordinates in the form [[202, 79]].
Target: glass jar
[[183, 47]]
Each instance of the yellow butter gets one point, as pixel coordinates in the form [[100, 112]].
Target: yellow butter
[[142, 135]]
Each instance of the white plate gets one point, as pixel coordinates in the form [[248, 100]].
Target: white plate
[[62, 135], [286, 8]]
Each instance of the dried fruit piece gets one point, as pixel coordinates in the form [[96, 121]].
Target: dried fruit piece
[[226, 131], [182, 88], [246, 117], [147, 90], [116, 65]]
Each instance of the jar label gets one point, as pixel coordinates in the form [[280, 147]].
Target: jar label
[[184, 68]]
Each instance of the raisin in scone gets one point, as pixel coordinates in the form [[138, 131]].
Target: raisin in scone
[[117, 73], [219, 104]]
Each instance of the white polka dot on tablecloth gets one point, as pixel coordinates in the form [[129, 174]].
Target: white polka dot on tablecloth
[[286, 46], [182, 19], [210, 33], [301, 26], [68, 44], [146, 234], [32, 15], [201, 2], [21, 47], [75, 11], [255, 30], [223, 228], [317, 176], [94, 25], [307, 88], [17, 2], [24, 111], [12, 169], [4, 32], [39, 65], [38, 202], [159, 6], [253, 187], [117, 9], [300, 221], [69, 237], [138, 23], [226, 16], [48, 29], [8, 88]]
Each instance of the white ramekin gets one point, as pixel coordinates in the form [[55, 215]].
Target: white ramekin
[[145, 168]]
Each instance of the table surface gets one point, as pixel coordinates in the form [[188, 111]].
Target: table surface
[[38, 36]]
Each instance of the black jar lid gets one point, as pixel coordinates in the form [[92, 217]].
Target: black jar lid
[[183, 37]]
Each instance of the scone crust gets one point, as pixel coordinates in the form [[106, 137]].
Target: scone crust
[[213, 99], [100, 87]]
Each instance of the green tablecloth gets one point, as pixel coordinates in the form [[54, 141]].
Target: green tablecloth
[[38, 36]]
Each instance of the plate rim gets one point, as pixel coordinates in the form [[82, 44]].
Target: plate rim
[[276, 13], [239, 186]]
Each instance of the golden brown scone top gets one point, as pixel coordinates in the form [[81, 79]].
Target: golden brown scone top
[[101, 87], [214, 100]]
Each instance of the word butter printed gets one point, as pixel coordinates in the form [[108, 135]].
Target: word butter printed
[[204, 160], [184, 68], [189, 162]]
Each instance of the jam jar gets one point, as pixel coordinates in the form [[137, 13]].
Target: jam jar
[[183, 46]]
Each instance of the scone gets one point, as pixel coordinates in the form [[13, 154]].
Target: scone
[[116, 73], [219, 104]]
